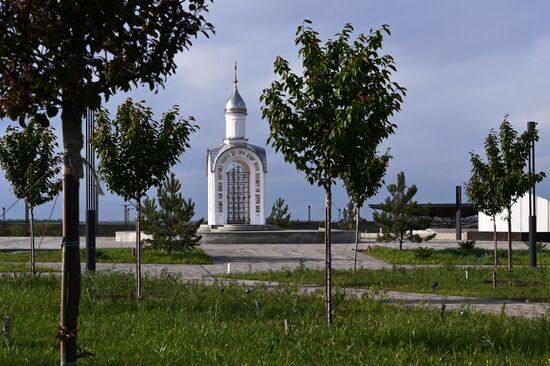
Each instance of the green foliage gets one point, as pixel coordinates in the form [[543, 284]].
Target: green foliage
[[339, 108], [279, 213], [109, 48], [422, 253], [540, 246], [30, 163], [497, 184], [189, 323], [115, 255], [523, 284], [336, 113], [348, 217], [67, 55], [457, 256], [400, 214], [135, 151], [32, 166], [14, 230], [170, 223], [467, 244], [364, 176]]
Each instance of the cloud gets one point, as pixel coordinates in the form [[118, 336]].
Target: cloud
[[465, 64]]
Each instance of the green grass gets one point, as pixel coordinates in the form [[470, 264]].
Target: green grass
[[523, 284], [190, 324], [115, 255], [456, 256], [23, 267]]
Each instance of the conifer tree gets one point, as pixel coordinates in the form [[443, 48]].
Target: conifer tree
[[279, 213], [349, 217], [170, 223], [400, 214]]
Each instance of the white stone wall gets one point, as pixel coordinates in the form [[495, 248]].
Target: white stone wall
[[520, 217], [235, 126], [217, 193]]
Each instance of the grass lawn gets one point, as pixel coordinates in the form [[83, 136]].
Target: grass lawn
[[191, 324], [23, 267], [524, 283], [455, 256], [115, 255]]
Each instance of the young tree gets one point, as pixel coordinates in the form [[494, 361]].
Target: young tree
[[496, 185], [170, 224], [362, 180], [349, 216], [345, 91], [136, 152], [400, 213], [279, 213], [67, 55], [32, 166]]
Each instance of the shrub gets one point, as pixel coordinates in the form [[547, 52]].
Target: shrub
[[467, 244], [279, 215], [422, 253], [170, 224], [540, 246]]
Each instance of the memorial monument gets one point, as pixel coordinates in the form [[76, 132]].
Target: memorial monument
[[236, 171]]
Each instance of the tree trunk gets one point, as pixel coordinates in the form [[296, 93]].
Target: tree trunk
[[31, 229], [356, 238], [509, 239], [496, 252], [328, 256], [70, 269], [138, 249]]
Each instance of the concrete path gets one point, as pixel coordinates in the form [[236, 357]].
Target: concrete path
[[247, 258]]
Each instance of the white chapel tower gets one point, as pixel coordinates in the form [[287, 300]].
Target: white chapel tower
[[236, 171]]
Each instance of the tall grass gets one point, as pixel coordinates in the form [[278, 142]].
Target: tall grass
[[456, 256], [192, 324], [115, 255], [522, 284]]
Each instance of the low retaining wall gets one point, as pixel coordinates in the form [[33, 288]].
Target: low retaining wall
[[276, 237], [503, 236], [257, 237]]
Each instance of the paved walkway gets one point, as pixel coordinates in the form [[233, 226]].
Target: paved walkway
[[109, 242], [256, 258]]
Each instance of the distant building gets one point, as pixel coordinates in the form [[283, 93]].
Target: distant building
[[520, 217], [236, 171]]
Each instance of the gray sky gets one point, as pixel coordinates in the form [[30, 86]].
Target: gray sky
[[465, 65]]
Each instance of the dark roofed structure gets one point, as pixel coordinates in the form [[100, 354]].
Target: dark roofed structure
[[444, 214]]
